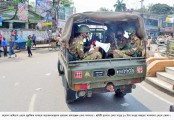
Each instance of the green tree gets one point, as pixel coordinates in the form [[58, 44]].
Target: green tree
[[66, 2], [103, 9], [161, 9], [120, 6]]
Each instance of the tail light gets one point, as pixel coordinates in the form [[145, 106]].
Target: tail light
[[80, 86]]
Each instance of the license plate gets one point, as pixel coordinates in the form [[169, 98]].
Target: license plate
[[98, 73], [125, 71]]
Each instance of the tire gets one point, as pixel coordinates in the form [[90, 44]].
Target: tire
[[120, 94], [70, 95], [60, 68]]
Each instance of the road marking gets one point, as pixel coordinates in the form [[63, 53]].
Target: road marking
[[125, 104], [168, 102], [48, 74], [38, 89], [31, 106]]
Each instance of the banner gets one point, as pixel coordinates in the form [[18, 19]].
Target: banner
[[61, 13], [68, 11], [169, 20], [0, 20], [47, 24], [22, 11], [42, 7]]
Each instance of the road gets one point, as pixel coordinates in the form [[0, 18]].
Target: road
[[30, 84]]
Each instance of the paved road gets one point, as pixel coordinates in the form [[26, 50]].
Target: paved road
[[33, 84]]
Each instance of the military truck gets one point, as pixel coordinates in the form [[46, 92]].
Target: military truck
[[82, 78]]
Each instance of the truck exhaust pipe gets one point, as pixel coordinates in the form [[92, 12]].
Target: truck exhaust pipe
[[110, 87]]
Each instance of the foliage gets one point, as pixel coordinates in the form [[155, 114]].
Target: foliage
[[120, 6], [103, 9], [66, 2], [161, 9]]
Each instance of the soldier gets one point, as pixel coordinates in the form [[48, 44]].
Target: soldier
[[121, 44], [77, 46], [134, 47]]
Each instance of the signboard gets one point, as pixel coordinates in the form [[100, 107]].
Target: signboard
[[0, 20], [169, 20], [61, 13], [47, 24], [68, 12], [22, 11], [42, 6]]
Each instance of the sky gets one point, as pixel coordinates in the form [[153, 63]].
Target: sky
[[93, 5]]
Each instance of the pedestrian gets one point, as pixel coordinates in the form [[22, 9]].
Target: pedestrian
[[4, 46], [0, 43], [149, 44], [29, 41], [0, 38], [34, 40], [172, 108], [11, 48]]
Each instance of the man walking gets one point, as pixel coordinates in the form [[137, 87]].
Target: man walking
[[4, 45], [34, 40], [29, 41], [0, 43]]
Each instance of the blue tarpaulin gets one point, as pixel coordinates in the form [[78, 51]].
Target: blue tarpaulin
[[21, 42]]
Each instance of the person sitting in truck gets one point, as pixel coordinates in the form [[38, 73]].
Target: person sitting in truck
[[76, 49], [134, 47], [121, 43]]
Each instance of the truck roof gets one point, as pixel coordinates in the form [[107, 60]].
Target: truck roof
[[102, 18]]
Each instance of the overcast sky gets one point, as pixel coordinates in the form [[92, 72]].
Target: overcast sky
[[93, 5]]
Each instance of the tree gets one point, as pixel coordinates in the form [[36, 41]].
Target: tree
[[103, 9], [120, 6], [66, 2], [161, 9]]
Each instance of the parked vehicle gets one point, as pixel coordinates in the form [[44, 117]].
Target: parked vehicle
[[82, 78]]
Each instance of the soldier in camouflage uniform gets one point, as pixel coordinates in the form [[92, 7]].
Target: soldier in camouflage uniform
[[77, 46], [134, 44], [121, 44]]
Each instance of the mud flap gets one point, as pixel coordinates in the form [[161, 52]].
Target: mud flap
[[70, 96]]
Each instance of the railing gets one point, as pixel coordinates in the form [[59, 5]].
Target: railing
[[166, 49]]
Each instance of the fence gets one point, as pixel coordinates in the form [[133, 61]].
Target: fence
[[167, 50], [41, 36]]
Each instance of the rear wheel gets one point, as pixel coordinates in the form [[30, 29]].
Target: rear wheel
[[70, 96], [60, 68], [118, 93]]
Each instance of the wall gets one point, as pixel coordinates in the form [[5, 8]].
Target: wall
[[40, 35]]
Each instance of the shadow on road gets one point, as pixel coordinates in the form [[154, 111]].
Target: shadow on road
[[109, 103]]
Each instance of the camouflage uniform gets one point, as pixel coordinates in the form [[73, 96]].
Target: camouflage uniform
[[134, 49], [77, 47], [92, 55], [121, 45], [77, 50]]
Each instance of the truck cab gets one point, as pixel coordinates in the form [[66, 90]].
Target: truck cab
[[82, 78]]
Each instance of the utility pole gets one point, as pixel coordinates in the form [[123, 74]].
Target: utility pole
[[142, 11], [55, 20]]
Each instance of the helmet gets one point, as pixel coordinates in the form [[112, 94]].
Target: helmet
[[131, 28], [83, 29]]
